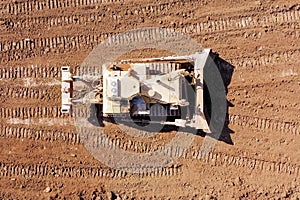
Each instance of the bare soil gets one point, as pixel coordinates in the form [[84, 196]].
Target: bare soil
[[41, 155]]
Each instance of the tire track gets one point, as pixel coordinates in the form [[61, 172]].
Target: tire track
[[51, 135], [74, 43], [45, 93], [46, 71], [223, 159], [15, 50], [69, 137], [265, 60], [42, 5], [83, 112], [42, 170], [39, 133], [237, 23], [34, 5], [41, 71], [241, 120], [218, 159], [60, 134], [32, 112], [225, 24], [32, 71], [265, 124]]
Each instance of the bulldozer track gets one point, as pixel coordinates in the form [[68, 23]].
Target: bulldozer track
[[54, 112], [235, 23], [44, 93], [220, 159], [54, 72], [32, 112], [39, 133], [265, 60], [242, 23], [32, 71], [48, 170], [254, 122], [50, 134], [265, 124], [34, 5], [224, 159], [213, 158], [12, 51], [226, 24], [47, 71], [59, 135]]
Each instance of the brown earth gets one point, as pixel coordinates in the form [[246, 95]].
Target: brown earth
[[41, 155]]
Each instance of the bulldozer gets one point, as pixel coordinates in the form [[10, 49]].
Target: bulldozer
[[166, 90]]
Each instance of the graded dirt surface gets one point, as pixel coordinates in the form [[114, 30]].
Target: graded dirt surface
[[257, 156]]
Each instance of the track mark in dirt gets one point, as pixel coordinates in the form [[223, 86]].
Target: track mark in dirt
[[54, 112], [223, 159], [43, 133], [225, 24], [51, 72], [42, 5], [69, 137], [16, 50], [264, 60], [32, 112], [47, 170], [32, 71], [265, 124], [42, 92]]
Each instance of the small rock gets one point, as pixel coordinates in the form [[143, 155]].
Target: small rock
[[270, 105], [173, 24], [259, 191], [238, 181], [13, 179], [47, 190], [73, 155], [258, 3], [283, 195], [208, 197]]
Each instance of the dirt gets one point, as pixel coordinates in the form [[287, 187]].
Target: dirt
[[257, 156]]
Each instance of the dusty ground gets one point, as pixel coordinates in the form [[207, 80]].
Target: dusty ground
[[41, 156]]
